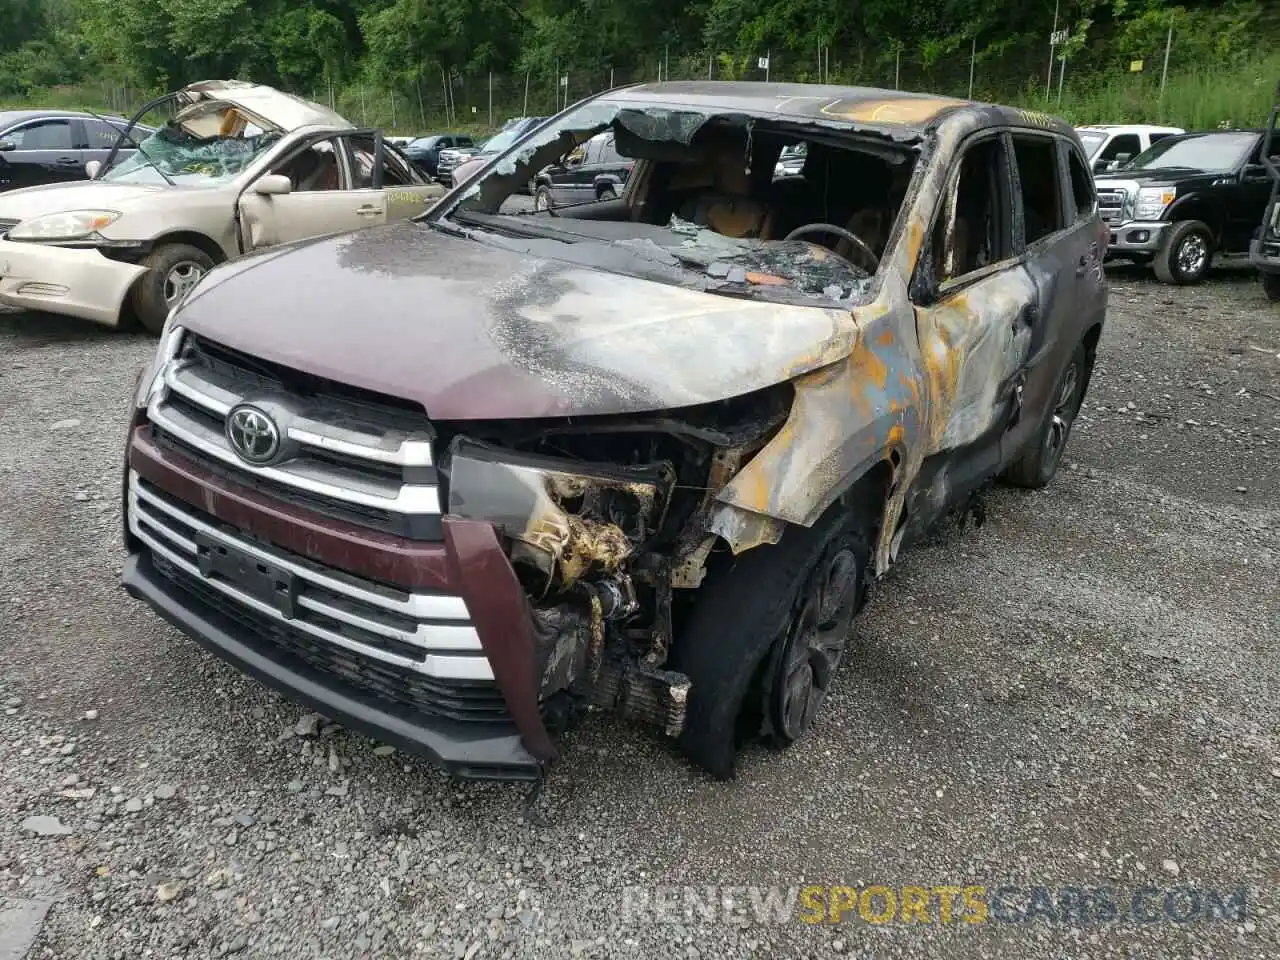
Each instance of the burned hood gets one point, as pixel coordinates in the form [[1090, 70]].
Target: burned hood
[[470, 331]]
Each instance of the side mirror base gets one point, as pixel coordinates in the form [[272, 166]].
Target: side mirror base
[[272, 185]]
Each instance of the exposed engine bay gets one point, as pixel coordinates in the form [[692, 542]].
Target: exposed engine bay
[[605, 521]]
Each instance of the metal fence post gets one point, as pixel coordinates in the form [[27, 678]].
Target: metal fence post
[[491, 98], [525, 112], [973, 57], [1164, 73], [1048, 84]]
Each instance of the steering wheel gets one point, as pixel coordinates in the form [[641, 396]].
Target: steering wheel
[[808, 228]]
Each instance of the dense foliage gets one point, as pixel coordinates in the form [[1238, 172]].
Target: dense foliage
[[401, 47]]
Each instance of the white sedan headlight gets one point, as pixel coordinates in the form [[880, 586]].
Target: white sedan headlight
[[70, 225], [1152, 202]]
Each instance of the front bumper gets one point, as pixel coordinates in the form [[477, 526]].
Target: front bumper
[[431, 718], [1137, 236], [77, 282], [466, 750]]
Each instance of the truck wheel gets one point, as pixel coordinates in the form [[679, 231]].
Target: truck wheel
[[1039, 460], [542, 198], [1271, 286], [1186, 258], [763, 642], [606, 191], [172, 270]]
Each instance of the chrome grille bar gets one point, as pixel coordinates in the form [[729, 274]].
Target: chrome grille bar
[[450, 649], [362, 457]]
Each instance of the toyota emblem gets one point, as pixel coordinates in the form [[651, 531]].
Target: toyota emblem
[[253, 435]]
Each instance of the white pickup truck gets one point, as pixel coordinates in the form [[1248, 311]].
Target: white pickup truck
[[1109, 145]]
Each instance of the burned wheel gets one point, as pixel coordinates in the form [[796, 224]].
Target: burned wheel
[[1039, 461], [804, 661], [765, 637]]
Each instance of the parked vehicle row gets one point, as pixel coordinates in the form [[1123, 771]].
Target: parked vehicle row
[[239, 168], [53, 146], [1185, 200]]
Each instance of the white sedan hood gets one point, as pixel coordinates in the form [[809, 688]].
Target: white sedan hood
[[82, 195]]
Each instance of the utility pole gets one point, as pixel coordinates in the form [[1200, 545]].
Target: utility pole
[[768, 64], [1062, 72], [491, 98], [1048, 84], [525, 113], [973, 56], [897, 68], [1164, 72]]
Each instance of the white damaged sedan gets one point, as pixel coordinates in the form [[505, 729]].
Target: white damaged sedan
[[239, 167]]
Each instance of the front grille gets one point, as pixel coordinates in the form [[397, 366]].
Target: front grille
[[420, 634], [473, 700], [1111, 205], [345, 452]]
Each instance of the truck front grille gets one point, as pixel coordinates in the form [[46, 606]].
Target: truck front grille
[[1111, 205], [342, 453], [347, 618]]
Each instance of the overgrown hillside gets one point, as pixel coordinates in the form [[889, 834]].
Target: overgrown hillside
[[409, 64]]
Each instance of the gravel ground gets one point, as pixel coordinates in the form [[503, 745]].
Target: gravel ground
[[1081, 692]]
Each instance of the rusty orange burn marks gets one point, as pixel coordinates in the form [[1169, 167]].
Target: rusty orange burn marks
[[905, 110], [765, 279]]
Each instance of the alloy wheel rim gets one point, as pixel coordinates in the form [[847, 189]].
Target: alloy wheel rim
[[1192, 253], [1064, 412], [180, 279]]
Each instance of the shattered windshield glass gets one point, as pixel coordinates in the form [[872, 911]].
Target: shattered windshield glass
[[701, 206], [191, 150]]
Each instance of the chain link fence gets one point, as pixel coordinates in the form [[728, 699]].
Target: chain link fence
[[1098, 82]]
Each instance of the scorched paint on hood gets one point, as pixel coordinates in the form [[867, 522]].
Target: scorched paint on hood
[[470, 331]]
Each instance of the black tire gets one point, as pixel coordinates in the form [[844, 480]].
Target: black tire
[[744, 630], [606, 191], [1271, 286], [1039, 459], [157, 290], [542, 198], [1188, 254]]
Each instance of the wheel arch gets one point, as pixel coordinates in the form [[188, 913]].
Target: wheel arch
[[1198, 207], [193, 238]]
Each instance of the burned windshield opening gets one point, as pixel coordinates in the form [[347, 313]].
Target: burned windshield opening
[[742, 202]]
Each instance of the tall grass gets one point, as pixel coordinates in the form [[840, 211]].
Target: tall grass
[[1195, 99]]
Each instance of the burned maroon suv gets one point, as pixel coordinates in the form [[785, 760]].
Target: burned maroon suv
[[457, 481]]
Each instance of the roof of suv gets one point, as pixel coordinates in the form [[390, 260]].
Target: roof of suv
[[910, 112]]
